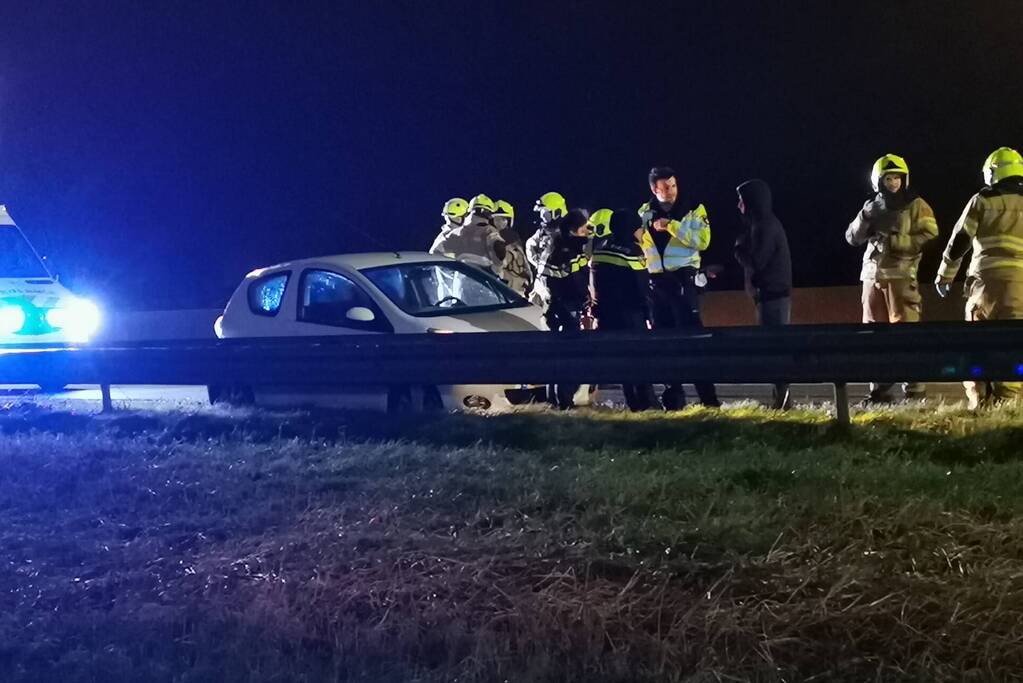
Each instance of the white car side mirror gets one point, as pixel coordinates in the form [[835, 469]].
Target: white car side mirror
[[360, 314]]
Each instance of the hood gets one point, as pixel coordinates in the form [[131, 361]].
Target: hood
[[519, 319], [756, 195]]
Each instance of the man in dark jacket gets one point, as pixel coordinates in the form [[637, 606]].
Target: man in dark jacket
[[763, 251], [620, 288], [568, 282]]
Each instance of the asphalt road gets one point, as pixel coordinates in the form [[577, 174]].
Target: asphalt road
[[150, 397]]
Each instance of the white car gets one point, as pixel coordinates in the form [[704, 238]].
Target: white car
[[378, 293], [34, 307]]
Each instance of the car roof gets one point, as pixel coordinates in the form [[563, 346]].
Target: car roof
[[360, 261]]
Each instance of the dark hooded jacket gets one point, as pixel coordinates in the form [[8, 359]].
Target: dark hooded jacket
[[763, 249], [620, 277]]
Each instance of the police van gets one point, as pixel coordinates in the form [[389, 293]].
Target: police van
[[34, 307]]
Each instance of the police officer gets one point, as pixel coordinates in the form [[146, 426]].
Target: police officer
[[672, 239], [620, 284], [992, 226]]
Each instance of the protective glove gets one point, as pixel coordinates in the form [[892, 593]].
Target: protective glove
[[943, 288]]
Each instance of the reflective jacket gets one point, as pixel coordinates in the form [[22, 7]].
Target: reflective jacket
[[567, 274], [680, 245], [894, 238], [992, 226], [538, 253], [620, 278]]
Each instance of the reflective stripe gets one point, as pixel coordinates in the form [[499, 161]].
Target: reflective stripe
[[989, 262], [620, 260], [1010, 242]]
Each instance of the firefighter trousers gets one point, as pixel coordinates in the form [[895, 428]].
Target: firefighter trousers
[[993, 300], [892, 301]]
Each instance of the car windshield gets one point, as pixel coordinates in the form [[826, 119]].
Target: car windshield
[[425, 289], [17, 258]]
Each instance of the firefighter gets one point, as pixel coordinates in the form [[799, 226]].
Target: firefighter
[[514, 269], [453, 213], [672, 239], [895, 225], [992, 227], [550, 209], [567, 281], [620, 285], [476, 241]]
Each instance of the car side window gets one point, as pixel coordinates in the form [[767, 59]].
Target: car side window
[[267, 293], [327, 297]]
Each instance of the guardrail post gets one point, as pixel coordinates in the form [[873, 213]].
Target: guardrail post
[[108, 404], [841, 403]]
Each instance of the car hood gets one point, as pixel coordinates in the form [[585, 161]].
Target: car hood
[[522, 319]]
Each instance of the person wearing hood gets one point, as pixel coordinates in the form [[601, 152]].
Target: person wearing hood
[[673, 237], [763, 251], [992, 227], [620, 285], [567, 283], [895, 225]]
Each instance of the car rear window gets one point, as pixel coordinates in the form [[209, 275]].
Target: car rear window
[[267, 293]]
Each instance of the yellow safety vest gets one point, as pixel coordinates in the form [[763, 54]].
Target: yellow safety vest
[[689, 236]]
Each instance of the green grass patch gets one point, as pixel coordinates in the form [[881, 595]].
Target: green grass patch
[[709, 545]]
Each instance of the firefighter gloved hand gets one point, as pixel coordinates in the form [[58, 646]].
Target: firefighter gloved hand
[[943, 288]]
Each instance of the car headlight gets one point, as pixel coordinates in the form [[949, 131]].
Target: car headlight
[[12, 318], [78, 318]]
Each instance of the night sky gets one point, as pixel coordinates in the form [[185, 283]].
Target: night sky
[[159, 151]]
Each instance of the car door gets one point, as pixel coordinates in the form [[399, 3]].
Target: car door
[[328, 302]]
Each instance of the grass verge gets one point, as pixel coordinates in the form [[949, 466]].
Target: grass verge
[[712, 545]]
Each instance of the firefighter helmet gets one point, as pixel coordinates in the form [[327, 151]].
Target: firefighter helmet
[[505, 210], [482, 204], [600, 220], [455, 208], [553, 203], [1002, 163], [889, 163]]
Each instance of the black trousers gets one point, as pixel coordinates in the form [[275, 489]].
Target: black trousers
[[675, 304], [637, 396], [771, 314], [561, 318]]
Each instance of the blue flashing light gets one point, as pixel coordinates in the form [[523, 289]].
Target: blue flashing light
[[976, 371], [1019, 369]]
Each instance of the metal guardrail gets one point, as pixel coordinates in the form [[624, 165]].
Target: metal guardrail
[[799, 354]]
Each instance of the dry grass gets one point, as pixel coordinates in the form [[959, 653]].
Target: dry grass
[[711, 546]]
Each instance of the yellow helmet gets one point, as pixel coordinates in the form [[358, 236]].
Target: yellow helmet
[[455, 208], [889, 163], [600, 220], [481, 203], [552, 202], [505, 210], [1002, 163]]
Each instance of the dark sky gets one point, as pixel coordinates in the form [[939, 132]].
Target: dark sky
[[159, 151]]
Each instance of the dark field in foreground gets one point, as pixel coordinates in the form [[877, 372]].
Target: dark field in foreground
[[713, 545]]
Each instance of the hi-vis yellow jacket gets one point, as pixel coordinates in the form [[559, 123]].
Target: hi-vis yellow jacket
[[690, 235], [992, 226]]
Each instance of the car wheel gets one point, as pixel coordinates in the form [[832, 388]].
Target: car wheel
[[230, 394]]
